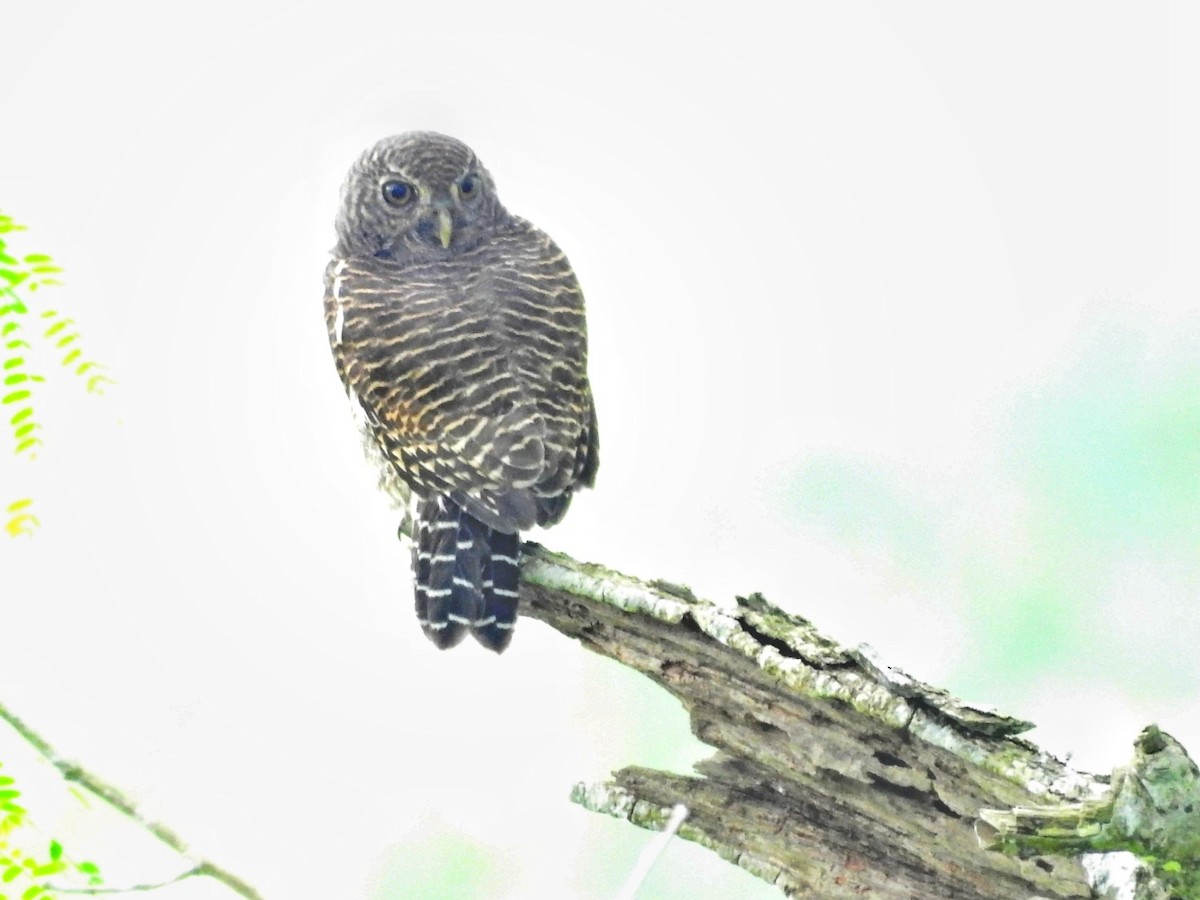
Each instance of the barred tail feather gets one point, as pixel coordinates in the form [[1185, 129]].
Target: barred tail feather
[[466, 576], [501, 584], [435, 558]]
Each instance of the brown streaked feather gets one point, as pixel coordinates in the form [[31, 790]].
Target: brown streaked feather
[[471, 373]]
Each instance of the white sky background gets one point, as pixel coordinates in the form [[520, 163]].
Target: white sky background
[[843, 229]]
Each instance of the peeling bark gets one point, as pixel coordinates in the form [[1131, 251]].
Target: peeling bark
[[834, 776]]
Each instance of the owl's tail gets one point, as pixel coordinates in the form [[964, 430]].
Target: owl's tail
[[467, 576]]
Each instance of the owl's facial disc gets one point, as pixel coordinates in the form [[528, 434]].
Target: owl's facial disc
[[417, 195]]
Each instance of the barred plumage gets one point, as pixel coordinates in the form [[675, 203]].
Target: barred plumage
[[459, 331]]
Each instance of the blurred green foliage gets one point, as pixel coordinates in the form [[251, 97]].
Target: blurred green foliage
[[1084, 505], [863, 504], [1111, 450], [449, 865], [1107, 456]]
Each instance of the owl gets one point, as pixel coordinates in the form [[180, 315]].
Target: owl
[[458, 330]]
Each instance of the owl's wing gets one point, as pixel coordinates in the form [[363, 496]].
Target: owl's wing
[[544, 319], [450, 404]]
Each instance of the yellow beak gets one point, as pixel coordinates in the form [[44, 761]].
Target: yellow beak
[[445, 227]]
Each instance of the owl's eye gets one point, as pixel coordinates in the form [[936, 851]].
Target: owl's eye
[[397, 193], [468, 187]]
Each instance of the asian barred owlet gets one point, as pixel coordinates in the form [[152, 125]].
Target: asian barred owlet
[[458, 330]]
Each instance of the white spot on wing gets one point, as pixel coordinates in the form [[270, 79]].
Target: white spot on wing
[[339, 319]]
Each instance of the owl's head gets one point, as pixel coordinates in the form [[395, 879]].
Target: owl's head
[[418, 195]]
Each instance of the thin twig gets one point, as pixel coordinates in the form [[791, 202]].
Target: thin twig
[[75, 773], [131, 889], [652, 852]]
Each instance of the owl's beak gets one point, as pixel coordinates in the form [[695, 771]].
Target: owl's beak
[[445, 227]]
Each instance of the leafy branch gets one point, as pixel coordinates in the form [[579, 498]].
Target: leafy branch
[[26, 872], [92, 786], [21, 278]]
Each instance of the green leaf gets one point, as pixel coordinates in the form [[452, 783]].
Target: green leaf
[[37, 258], [14, 507], [32, 892], [16, 378], [88, 868], [26, 444], [71, 357], [4, 779], [64, 341], [14, 361], [20, 416], [13, 278], [9, 794], [14, 397], [23, 524], [46, 269], [55, 850], [57, 327], [24, 430], [10, 873]]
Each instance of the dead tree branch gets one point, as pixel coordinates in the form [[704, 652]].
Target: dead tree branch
[[834, 776]]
